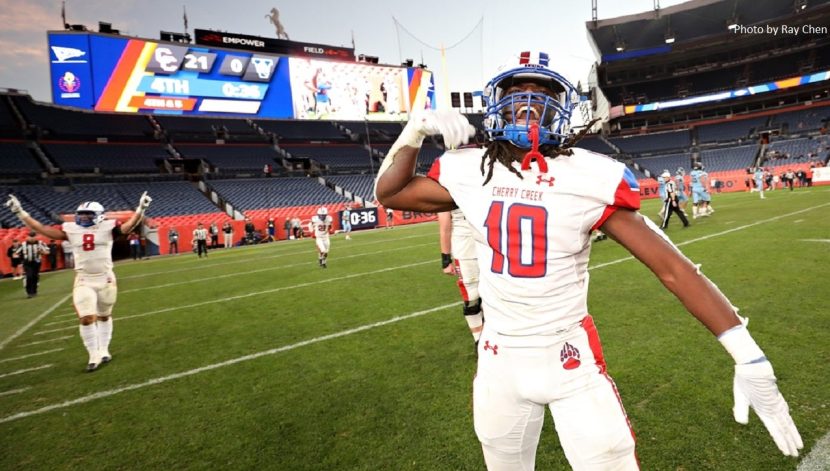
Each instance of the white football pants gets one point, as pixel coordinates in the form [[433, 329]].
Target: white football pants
[[518, 376]]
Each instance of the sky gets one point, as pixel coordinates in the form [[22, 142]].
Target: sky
[[484, 33]]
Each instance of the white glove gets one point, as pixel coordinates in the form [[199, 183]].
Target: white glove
[[450, 124], [755, 387], [143, 203], [14, 206]]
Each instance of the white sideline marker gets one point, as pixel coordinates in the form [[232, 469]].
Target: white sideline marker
[[819, 457], [233, 361], [45, 352], [247, 295], [15, 391], [25, 370], [151, 382], [46, 341], [34, 321]]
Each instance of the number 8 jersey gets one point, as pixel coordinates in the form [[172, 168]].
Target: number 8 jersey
[[92, 246], [533, 235]]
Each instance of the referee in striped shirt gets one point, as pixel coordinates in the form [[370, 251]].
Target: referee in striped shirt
[[200, 238], [30, 251], [671, 203]]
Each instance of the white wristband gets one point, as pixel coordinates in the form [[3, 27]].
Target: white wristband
[[22, 214], [740, 344]]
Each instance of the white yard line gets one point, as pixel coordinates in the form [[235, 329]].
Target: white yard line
[[45, 352], [15, 391], [64, 321], [206, 264], [233, 361], [46, 341], [248, 295], [25, 370], [273, 268], [815, 240], [819, 457], [162, 379], [32, 322]]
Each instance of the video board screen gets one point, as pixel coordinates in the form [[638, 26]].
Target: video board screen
[[348, 90], [116, 73]]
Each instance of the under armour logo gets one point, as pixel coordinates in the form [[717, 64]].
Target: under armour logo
[[494, 348], [541, 178]]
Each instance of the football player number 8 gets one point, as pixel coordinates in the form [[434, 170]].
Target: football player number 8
[[88, 242], [520, 219]]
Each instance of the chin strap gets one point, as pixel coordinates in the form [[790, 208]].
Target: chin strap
[[534, 153]]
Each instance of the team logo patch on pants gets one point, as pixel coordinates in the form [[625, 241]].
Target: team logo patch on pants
[[569, 356]]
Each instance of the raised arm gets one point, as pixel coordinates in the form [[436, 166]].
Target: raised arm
[[754, 383], [143, 204], [397, 186], [14, 206]]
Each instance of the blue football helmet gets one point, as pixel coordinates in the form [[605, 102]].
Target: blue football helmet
[[554, 122], [89, 213]]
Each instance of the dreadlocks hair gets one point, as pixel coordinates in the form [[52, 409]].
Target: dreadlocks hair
[[500, 151]]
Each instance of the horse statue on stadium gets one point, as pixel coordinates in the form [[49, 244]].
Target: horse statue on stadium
[[274, 17]]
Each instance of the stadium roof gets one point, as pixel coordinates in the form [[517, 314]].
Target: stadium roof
[[687, 21]]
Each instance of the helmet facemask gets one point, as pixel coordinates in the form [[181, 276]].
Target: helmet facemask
[[509, 115]]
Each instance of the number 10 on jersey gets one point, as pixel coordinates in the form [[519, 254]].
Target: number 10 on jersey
[[522, 225]]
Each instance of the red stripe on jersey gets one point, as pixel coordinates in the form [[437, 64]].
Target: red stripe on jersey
[[596, 350], [435, 171], [606, 213], [626, 197], [464, 295]]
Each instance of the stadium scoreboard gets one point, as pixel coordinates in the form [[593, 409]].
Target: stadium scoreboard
[[115, 73]]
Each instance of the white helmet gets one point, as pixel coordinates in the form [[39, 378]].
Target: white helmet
[[89, 213], [322, 212]]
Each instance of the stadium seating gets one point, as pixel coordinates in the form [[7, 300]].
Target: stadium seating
[[65, 124], [654, 142], [230, 158], [16, 160], [378, 131], [263, 193], [360, 185], [595, 144], [337, 158], [9, 126], [730, 130], [7, 219], [670, 162], [729, 158], [303, 130], [106, 158], [169, 198], [197, 129], [788, 152], [803, 120]]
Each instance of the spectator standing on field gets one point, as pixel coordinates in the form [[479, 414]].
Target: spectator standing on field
[[227, 229], [53, 255], [16, 259], [287, 227], [249, 231], [135, 245], [173, 239], [272, 229], [214, 235]]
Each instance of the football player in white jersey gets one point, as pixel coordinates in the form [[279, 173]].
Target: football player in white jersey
[[458, 257], [532, 198], [91, 236], [321, 225]]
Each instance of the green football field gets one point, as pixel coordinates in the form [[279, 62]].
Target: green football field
[[255, 358]]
